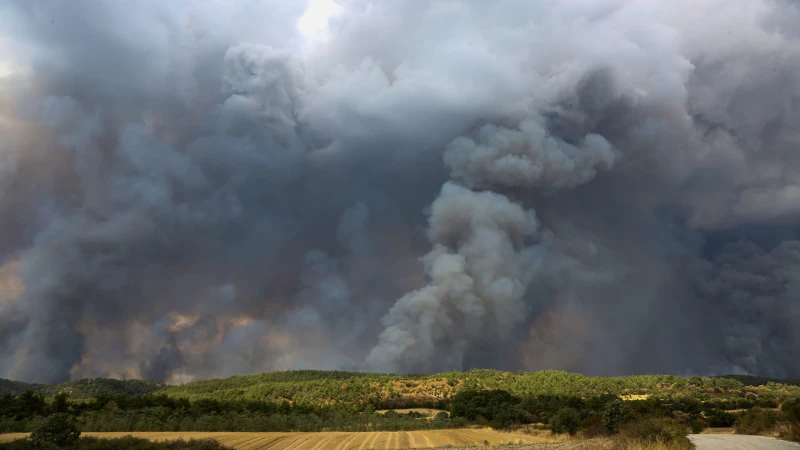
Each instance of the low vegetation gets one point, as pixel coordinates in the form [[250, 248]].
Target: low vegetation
[[625, 409], [59, 432], [653, 433], [783, 423], [122, 443]]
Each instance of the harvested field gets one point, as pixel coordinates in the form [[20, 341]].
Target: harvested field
[[424, 411], [336, 441]]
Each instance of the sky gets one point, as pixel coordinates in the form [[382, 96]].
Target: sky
[[199, 189]]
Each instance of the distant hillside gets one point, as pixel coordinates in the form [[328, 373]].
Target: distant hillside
[[16, 387], [403, 391], [318, 388], [85, 388], [749, 380], [93, 387]]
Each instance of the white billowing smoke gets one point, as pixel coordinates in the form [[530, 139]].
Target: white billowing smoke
[[485, 246], [480, 266], [526, 158]]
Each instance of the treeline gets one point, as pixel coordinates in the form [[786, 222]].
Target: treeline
[[401, 391], [17, 387], [608, 415], [750, 380], [162, 413], [497, 408], [501, 409], [84, 388]]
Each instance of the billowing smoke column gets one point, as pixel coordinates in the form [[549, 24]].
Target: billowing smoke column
[[485, 255], [191, 190]]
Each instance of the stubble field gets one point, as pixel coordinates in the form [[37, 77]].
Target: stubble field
[[335, 441]]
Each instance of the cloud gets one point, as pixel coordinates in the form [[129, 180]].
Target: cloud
[[201, 189]]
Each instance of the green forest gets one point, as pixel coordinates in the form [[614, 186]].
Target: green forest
[[349, 401]]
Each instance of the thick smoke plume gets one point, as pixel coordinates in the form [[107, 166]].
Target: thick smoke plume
[[202, 189]]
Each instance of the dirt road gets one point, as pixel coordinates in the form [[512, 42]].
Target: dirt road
[[740, 442]]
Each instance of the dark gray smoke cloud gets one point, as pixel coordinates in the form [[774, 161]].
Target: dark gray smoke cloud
[[191, 190]]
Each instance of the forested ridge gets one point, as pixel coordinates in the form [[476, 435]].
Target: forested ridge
[[85, 388], [400, 391], [392, 390]]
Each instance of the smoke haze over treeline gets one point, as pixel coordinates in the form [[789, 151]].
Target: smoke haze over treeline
[[202, 189]]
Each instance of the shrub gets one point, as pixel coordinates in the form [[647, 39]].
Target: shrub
[[646, 432], [441, 416], [58, 429], [789, 431], [566, 420], [615, 414], [698, 425], [791, 409], [756, 421], [717, 418], [594, 430], [495, 405]]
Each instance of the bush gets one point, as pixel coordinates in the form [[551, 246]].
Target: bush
[[594, 430], [756, 421], [717, 418], [566, 420], [646, 432], [497, 407], [59, 429], [441, 416], [697, 425], [789, 431], [615, 414], [791, 409]]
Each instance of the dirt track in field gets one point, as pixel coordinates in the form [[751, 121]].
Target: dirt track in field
[[335, 441]]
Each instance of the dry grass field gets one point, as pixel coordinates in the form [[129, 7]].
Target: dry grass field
[[430, 413], [337, 441]]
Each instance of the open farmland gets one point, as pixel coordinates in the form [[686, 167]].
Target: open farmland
[[333, 440], [426, 412]]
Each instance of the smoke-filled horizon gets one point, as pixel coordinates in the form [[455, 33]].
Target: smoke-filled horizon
[[202, 189]]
